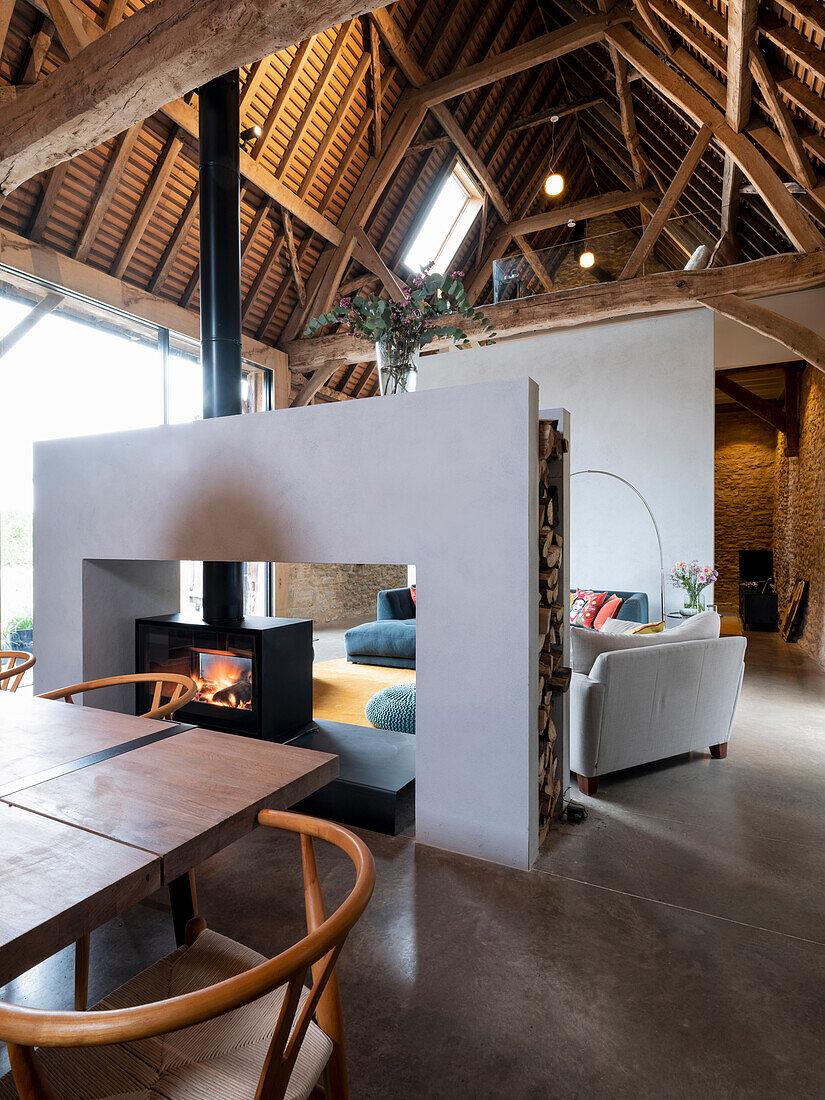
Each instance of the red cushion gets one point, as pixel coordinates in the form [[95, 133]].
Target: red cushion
[[608, 610], [412, 592], [584, 606]]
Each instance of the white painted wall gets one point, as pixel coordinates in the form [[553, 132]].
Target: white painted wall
[[447, 480], [640, 395], [737, 346]]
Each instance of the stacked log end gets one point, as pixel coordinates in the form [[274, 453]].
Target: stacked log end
[[553, 678]]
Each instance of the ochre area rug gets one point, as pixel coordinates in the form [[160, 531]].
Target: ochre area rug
[[341, 690]]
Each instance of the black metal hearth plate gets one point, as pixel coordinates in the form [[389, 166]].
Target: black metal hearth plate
[[375, 788]]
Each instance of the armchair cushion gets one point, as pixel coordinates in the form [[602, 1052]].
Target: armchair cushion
[[587, 645], [395, 603]]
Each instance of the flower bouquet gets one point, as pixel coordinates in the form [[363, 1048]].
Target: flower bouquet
[[401, 328], [694, 578]]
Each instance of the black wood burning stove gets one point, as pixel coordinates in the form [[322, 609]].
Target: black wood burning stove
[[254, 675]]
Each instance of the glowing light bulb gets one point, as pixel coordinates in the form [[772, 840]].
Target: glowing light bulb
[[587, 259], [554, 184]]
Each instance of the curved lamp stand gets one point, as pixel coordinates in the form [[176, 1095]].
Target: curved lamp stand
[[624, 481]]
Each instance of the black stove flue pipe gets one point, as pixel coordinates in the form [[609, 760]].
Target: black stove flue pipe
[[220, 289]]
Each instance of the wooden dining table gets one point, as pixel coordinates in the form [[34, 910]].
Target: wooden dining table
[[98, 810]]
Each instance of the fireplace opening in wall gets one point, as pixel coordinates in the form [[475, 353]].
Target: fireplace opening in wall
[[254, 676]]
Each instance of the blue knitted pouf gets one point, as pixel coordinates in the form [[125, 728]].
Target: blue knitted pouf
[[393, 708]]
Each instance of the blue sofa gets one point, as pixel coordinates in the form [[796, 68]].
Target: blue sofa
[[634, 609], [390, 640]]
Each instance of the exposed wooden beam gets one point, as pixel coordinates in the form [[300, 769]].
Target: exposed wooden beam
[[114, 14], [742, 16], [6, 11], [755, 404], [668, 203], [582, 32], [186, 118], [803, 169], [70, 30], [802, 341], [27, 323], [282, 291], [375, 71], [149, 200], [663, 291], [592, 207], [654, 27], [426, 146], [40, 45], [70, 274], [741, 34], [48, 200], [392, 284], [811, 11], [316, 380], [539, 118], [109, 185], [289, 234], [180, 45], [794, 221]]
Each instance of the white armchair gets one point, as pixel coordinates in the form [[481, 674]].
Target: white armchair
[[648, 703]]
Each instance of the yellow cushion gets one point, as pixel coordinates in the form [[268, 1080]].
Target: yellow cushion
[[649, 628]]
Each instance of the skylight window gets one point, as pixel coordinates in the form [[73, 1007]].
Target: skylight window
[[446, 224]]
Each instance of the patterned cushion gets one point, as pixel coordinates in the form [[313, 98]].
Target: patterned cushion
[[584, 605], [220, 1059], [393, 708]]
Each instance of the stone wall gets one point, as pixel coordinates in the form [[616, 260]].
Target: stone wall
[[799, 524], [745, 458], [327, 593]]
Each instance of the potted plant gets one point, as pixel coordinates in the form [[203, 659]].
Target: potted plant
[[694, 578], [399, 329], [20, 633]]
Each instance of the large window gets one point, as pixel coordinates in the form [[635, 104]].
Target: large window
[[446, 223], [82, 370]]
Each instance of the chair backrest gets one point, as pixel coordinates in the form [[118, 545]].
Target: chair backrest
[[666, 699], [25, 1028], [184, 689], [17, 663]]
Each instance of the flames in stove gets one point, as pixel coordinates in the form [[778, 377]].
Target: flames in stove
[[224, 680]]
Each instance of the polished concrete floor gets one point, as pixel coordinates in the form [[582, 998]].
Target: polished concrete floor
[[673, 945]]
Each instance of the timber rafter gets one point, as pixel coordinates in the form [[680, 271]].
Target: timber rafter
[[361, 121]]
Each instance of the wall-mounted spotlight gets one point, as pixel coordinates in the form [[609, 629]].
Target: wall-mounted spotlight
[[250, 133]]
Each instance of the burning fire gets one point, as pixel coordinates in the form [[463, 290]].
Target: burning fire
[[225, 681]]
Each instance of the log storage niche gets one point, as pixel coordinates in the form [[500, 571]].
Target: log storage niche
[[554, 676]]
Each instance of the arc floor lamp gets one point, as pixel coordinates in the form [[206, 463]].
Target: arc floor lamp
[[632, 487]]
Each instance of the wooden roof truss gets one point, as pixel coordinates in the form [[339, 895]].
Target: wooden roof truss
[[689, 107]]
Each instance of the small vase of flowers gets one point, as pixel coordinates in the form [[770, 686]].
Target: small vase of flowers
[[694, 578], [399, 329]]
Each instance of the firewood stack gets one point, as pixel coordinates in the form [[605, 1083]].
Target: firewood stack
[[553, 678]]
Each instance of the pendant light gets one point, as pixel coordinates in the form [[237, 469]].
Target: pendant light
[[554, 184], [587, 259]]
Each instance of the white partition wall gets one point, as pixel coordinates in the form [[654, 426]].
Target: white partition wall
[[445, 480], [640, 395]]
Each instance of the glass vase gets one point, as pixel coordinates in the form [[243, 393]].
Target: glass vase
[[397, 366]]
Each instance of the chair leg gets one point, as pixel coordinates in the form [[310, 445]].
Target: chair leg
[[81, 973], [719, 752], [588, 784]]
